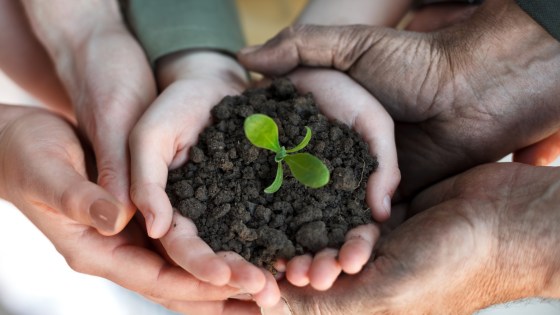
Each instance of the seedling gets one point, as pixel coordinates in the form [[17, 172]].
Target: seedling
[[262, 132]]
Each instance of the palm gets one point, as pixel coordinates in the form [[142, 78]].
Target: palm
[[456, 256]]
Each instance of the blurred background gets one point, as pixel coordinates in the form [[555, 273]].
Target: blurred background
[[35, 279]]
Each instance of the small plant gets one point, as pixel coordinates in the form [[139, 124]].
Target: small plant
[[262, 132]]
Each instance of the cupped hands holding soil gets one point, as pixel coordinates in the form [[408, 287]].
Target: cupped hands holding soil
[[221, 187]]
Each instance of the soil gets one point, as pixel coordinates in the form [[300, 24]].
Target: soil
[[221, 187]]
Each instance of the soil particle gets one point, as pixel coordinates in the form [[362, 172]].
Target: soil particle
[[221, 187]]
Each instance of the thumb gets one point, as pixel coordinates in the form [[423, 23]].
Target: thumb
[[78, 198], [338, 47]]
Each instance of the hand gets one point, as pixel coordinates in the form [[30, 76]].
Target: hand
[[106, 75], [484, 237], [43, 172], [435, 17], [459, 96], [192, 83]]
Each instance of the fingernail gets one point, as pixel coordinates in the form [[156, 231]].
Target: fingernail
[[242, 297], [149, 217], [387, 204], [104, 215], [282, 308], [250, 49]]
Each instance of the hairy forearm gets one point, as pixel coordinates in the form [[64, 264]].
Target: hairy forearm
[[335, 12]]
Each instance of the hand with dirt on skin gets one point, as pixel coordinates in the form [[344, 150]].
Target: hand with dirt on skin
[[341, 98], [43, 173], [484, 237], [192, 82], [461, 96], [106, 76]]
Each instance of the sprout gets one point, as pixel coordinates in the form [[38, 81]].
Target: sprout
[[262, 132]]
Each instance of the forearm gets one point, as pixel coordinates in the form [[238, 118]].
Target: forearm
[[26, 62], [200, 64], [64, 26], [334, 12]]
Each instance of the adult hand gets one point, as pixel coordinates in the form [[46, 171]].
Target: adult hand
[[461, 96], [43, 172], [106, 75], [461, 254], [435, 17]]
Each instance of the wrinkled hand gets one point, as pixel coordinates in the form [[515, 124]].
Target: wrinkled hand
[[106, 75], [461, 96], [484, 237], [43, 172]]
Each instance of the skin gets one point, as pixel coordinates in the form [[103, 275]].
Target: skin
[[462, 253], [89, 43], [438, 123], [466, 93], [74, 43], [198, 80], [27, 63], [64, 213]]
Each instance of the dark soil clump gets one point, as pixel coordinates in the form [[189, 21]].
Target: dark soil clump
[[221, 187]]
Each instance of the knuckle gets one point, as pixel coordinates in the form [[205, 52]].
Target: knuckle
[[110, 172]]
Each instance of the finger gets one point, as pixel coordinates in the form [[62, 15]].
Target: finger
[[270, 294], [357, 108], [244, 275], [78, 198], [297, 271], [324, 269], [383, 182], [356, 250], [71, 193], [540, 154], [310, 45], [149, 170], [193, 254]]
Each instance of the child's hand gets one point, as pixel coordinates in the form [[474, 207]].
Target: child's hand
[[43, 173], [339, 97], [192, 83]]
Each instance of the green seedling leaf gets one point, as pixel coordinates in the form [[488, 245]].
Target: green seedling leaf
[[308, 169], [303, 142], [262, 132], [277, 181]]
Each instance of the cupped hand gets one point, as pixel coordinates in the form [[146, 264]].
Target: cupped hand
[[43, 172], [342, 99], [460, 97], [483, 237], [106, 75], [192, 83]]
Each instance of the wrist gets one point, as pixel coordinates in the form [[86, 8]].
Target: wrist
[[200, 64]]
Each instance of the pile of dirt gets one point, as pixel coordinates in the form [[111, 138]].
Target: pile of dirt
[[221, 186]]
